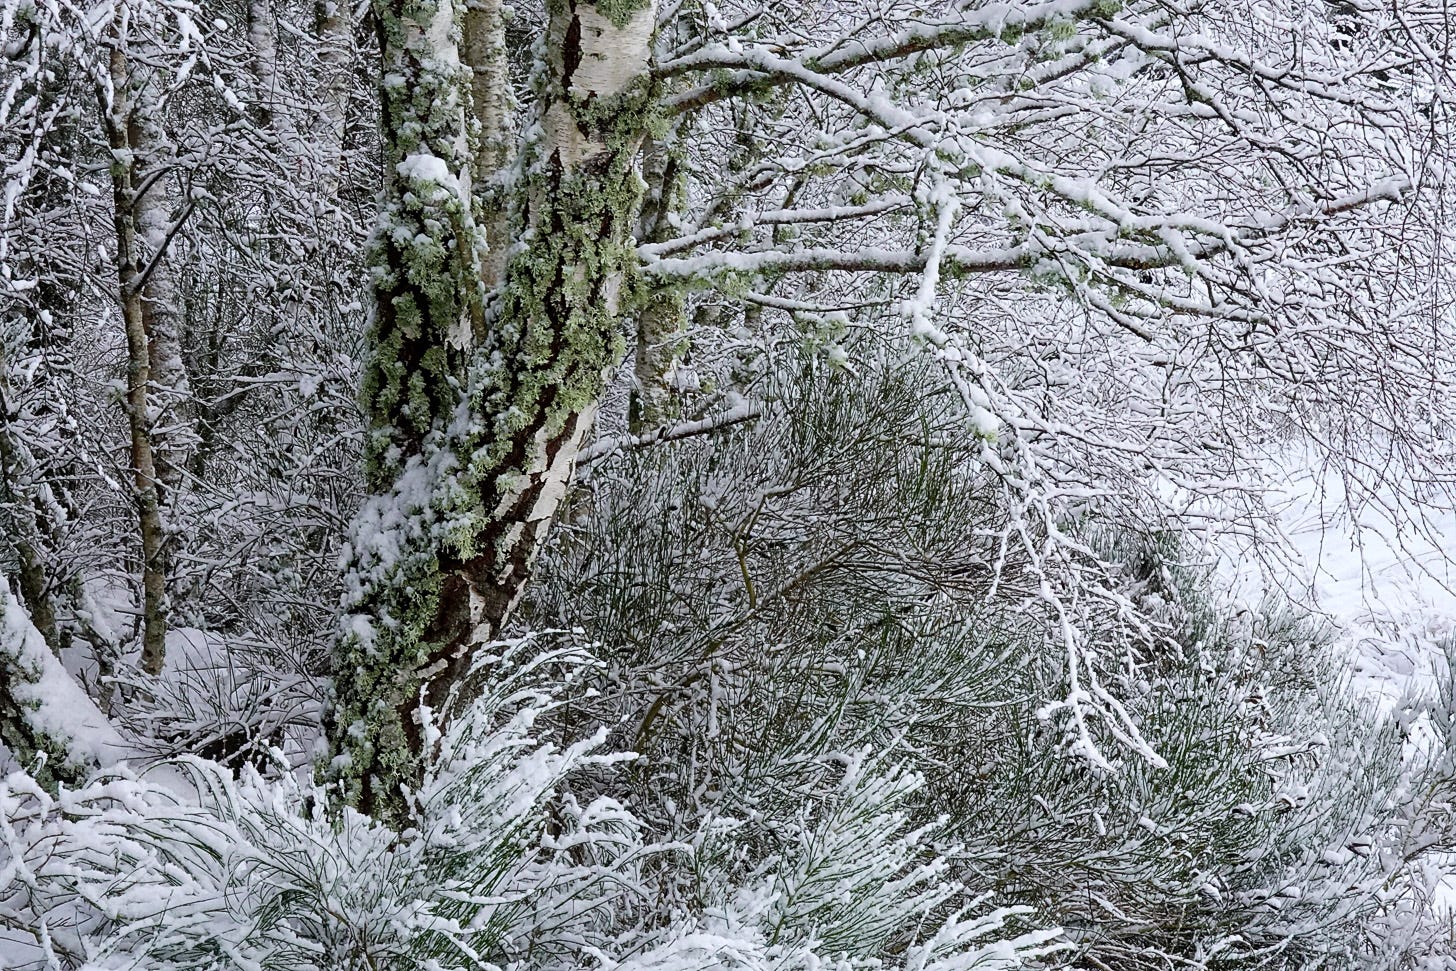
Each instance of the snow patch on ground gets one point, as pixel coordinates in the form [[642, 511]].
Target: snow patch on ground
[[1380, 571], [1384, 572]]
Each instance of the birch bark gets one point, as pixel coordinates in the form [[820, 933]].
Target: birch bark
[[158, 396], [335, 48], [471, 454], [494, 106], [264, 43]]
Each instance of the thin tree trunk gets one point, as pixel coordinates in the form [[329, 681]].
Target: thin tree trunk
[[26, 529], [146, 485], [263, 41], [158, 395], [443, 554], [662, 320], [335, 47], [173, 433]]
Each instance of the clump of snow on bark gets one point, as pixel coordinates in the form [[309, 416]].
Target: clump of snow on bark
[[56, 704]]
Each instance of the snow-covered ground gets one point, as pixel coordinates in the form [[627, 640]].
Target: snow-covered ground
[[1383, 572]]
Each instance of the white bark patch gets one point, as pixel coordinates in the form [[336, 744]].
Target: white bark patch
[[565, 138], [461, 334], [611, 58], [508, 541], [509, 495], [611, 293], [558, 476], [440, 35], [481, 629]]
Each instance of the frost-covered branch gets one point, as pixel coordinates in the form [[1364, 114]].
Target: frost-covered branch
[[603, 448]]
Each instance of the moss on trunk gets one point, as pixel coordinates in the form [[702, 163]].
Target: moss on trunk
[[474, 438]]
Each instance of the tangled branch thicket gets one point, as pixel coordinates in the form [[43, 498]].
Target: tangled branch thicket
[[669, 484]]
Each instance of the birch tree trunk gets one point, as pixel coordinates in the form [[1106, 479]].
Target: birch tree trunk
[[274, 110], [172, 432], [335, 48], [158, 396], [471, 454], [662, 319], [494, 106]]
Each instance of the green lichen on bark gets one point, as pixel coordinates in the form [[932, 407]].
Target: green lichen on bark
[[559, 331], [427, 244], [442, 552], [620, 12], [376, 746], [428, 296]]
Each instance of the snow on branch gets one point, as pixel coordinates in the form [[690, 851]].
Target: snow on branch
[[990, 21], [743, 411], [1095, 247]]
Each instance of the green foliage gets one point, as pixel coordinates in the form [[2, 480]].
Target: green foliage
[[502, 866], [832, 579], [258, 873], [1271, 836]]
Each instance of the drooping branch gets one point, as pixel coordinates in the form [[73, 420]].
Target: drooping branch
[[738, 74], [1093, 249]]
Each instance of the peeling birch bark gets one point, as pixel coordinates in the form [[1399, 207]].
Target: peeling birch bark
[[557, 336]]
